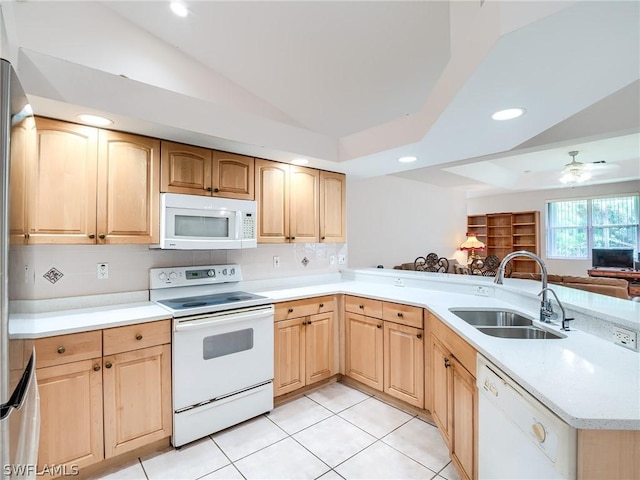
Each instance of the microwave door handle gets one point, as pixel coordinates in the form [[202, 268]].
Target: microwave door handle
[[238, 225]]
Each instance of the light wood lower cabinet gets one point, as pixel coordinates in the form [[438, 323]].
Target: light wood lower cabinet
[[304, 343], [95, 407], [385, 347], [454, 398]]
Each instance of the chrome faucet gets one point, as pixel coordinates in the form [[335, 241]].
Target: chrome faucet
[[546, 309], [565, 320]]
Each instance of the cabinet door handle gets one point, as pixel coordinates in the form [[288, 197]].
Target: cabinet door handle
[[61, 350], [419, 335], [293, 238], [400, 314], [322, 238], [309, 322], [216, 190], [96, 368], [138, 337], [379, 326], [321, 305], [108, 365], [92, 236], [447, 363], [208, 189], [361, 307], [102, 236], [291, 310]]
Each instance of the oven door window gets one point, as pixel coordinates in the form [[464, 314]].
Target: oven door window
[[202, 226], [223, 344]]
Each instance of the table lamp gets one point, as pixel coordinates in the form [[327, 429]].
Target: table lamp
[[472, 244]]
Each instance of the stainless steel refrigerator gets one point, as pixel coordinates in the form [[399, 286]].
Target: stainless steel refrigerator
[[19, 412]]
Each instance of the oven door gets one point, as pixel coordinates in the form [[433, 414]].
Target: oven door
[[218, 354]]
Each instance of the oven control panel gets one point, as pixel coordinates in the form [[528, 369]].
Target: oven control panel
[[196, 275]]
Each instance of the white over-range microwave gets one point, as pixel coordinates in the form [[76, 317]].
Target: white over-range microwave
[[193, 222]]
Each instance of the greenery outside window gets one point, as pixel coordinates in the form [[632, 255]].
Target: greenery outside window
[[574, 227]]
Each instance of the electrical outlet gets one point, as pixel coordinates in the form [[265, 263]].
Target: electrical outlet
[[626, 338], [481, 291], [276, 262], [103, 271], [341, 259], [332, 259], [398, 282]]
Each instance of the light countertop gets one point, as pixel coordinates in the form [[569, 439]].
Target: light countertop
[[587, 381]]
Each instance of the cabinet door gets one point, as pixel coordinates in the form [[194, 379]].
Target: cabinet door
[[62, 207], [441, 386], [464, 408], [272, 194], [137, 398], [333, 207], [23, 139], [289, 346], [128, 189], [185, 169], [404, 363], [319, 347], [304, 185], [363, 356], [233, 176], [70, 414]]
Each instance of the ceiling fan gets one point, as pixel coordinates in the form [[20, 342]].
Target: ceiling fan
[[578, 172]]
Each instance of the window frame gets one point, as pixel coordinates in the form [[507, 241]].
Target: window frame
[[589, 226]]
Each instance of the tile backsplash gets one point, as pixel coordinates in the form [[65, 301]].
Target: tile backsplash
[[30, 266]]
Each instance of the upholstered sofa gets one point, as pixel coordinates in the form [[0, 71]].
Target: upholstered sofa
[[614, 287]]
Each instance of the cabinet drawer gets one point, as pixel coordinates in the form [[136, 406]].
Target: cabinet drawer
[[134, 337], [61, 349], [302, 308], [363, 306], [404, 314], [460, 349]]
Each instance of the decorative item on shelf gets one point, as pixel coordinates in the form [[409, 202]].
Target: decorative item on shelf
[[431, 263], [472, 244]]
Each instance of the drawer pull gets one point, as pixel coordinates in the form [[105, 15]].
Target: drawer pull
[[361, 306], [321, 305], [419, 335], [379, 326], [400, 314], [309, 322], [96, 368], [291, 310], [61, 350], [108, 365], [138, 337]]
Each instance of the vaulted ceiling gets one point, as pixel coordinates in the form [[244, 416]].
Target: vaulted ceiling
[[352, 86]]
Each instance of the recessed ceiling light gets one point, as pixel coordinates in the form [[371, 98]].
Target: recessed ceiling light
[[407, 159], [94, 120], [299, 161], [179, 8], [508, 114]]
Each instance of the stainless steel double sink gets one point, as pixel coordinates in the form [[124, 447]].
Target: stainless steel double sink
[[504, 324]]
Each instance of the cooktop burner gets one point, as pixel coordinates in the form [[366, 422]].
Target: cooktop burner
[[228, 298]]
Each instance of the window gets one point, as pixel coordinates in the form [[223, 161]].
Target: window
[[574, 227]]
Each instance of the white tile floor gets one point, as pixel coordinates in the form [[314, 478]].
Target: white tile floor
[[336, 432]]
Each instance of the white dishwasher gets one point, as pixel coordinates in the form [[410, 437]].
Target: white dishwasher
[[518, 437]]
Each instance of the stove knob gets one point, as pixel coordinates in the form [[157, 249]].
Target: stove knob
[[224, 272], [211, 273], [233, 271], [173, 275], [162, 276]]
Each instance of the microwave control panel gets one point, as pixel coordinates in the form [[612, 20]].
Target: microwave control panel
[[248, 225]]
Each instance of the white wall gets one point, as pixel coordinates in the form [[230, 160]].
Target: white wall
[[392, 220], [535, 200]]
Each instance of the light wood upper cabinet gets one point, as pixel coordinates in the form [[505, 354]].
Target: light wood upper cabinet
[[185, 169], [23, 151], [200, 171], [233, 176], [333, 222], [88, 186], [288, 198], [63, 184], [128, 201]]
